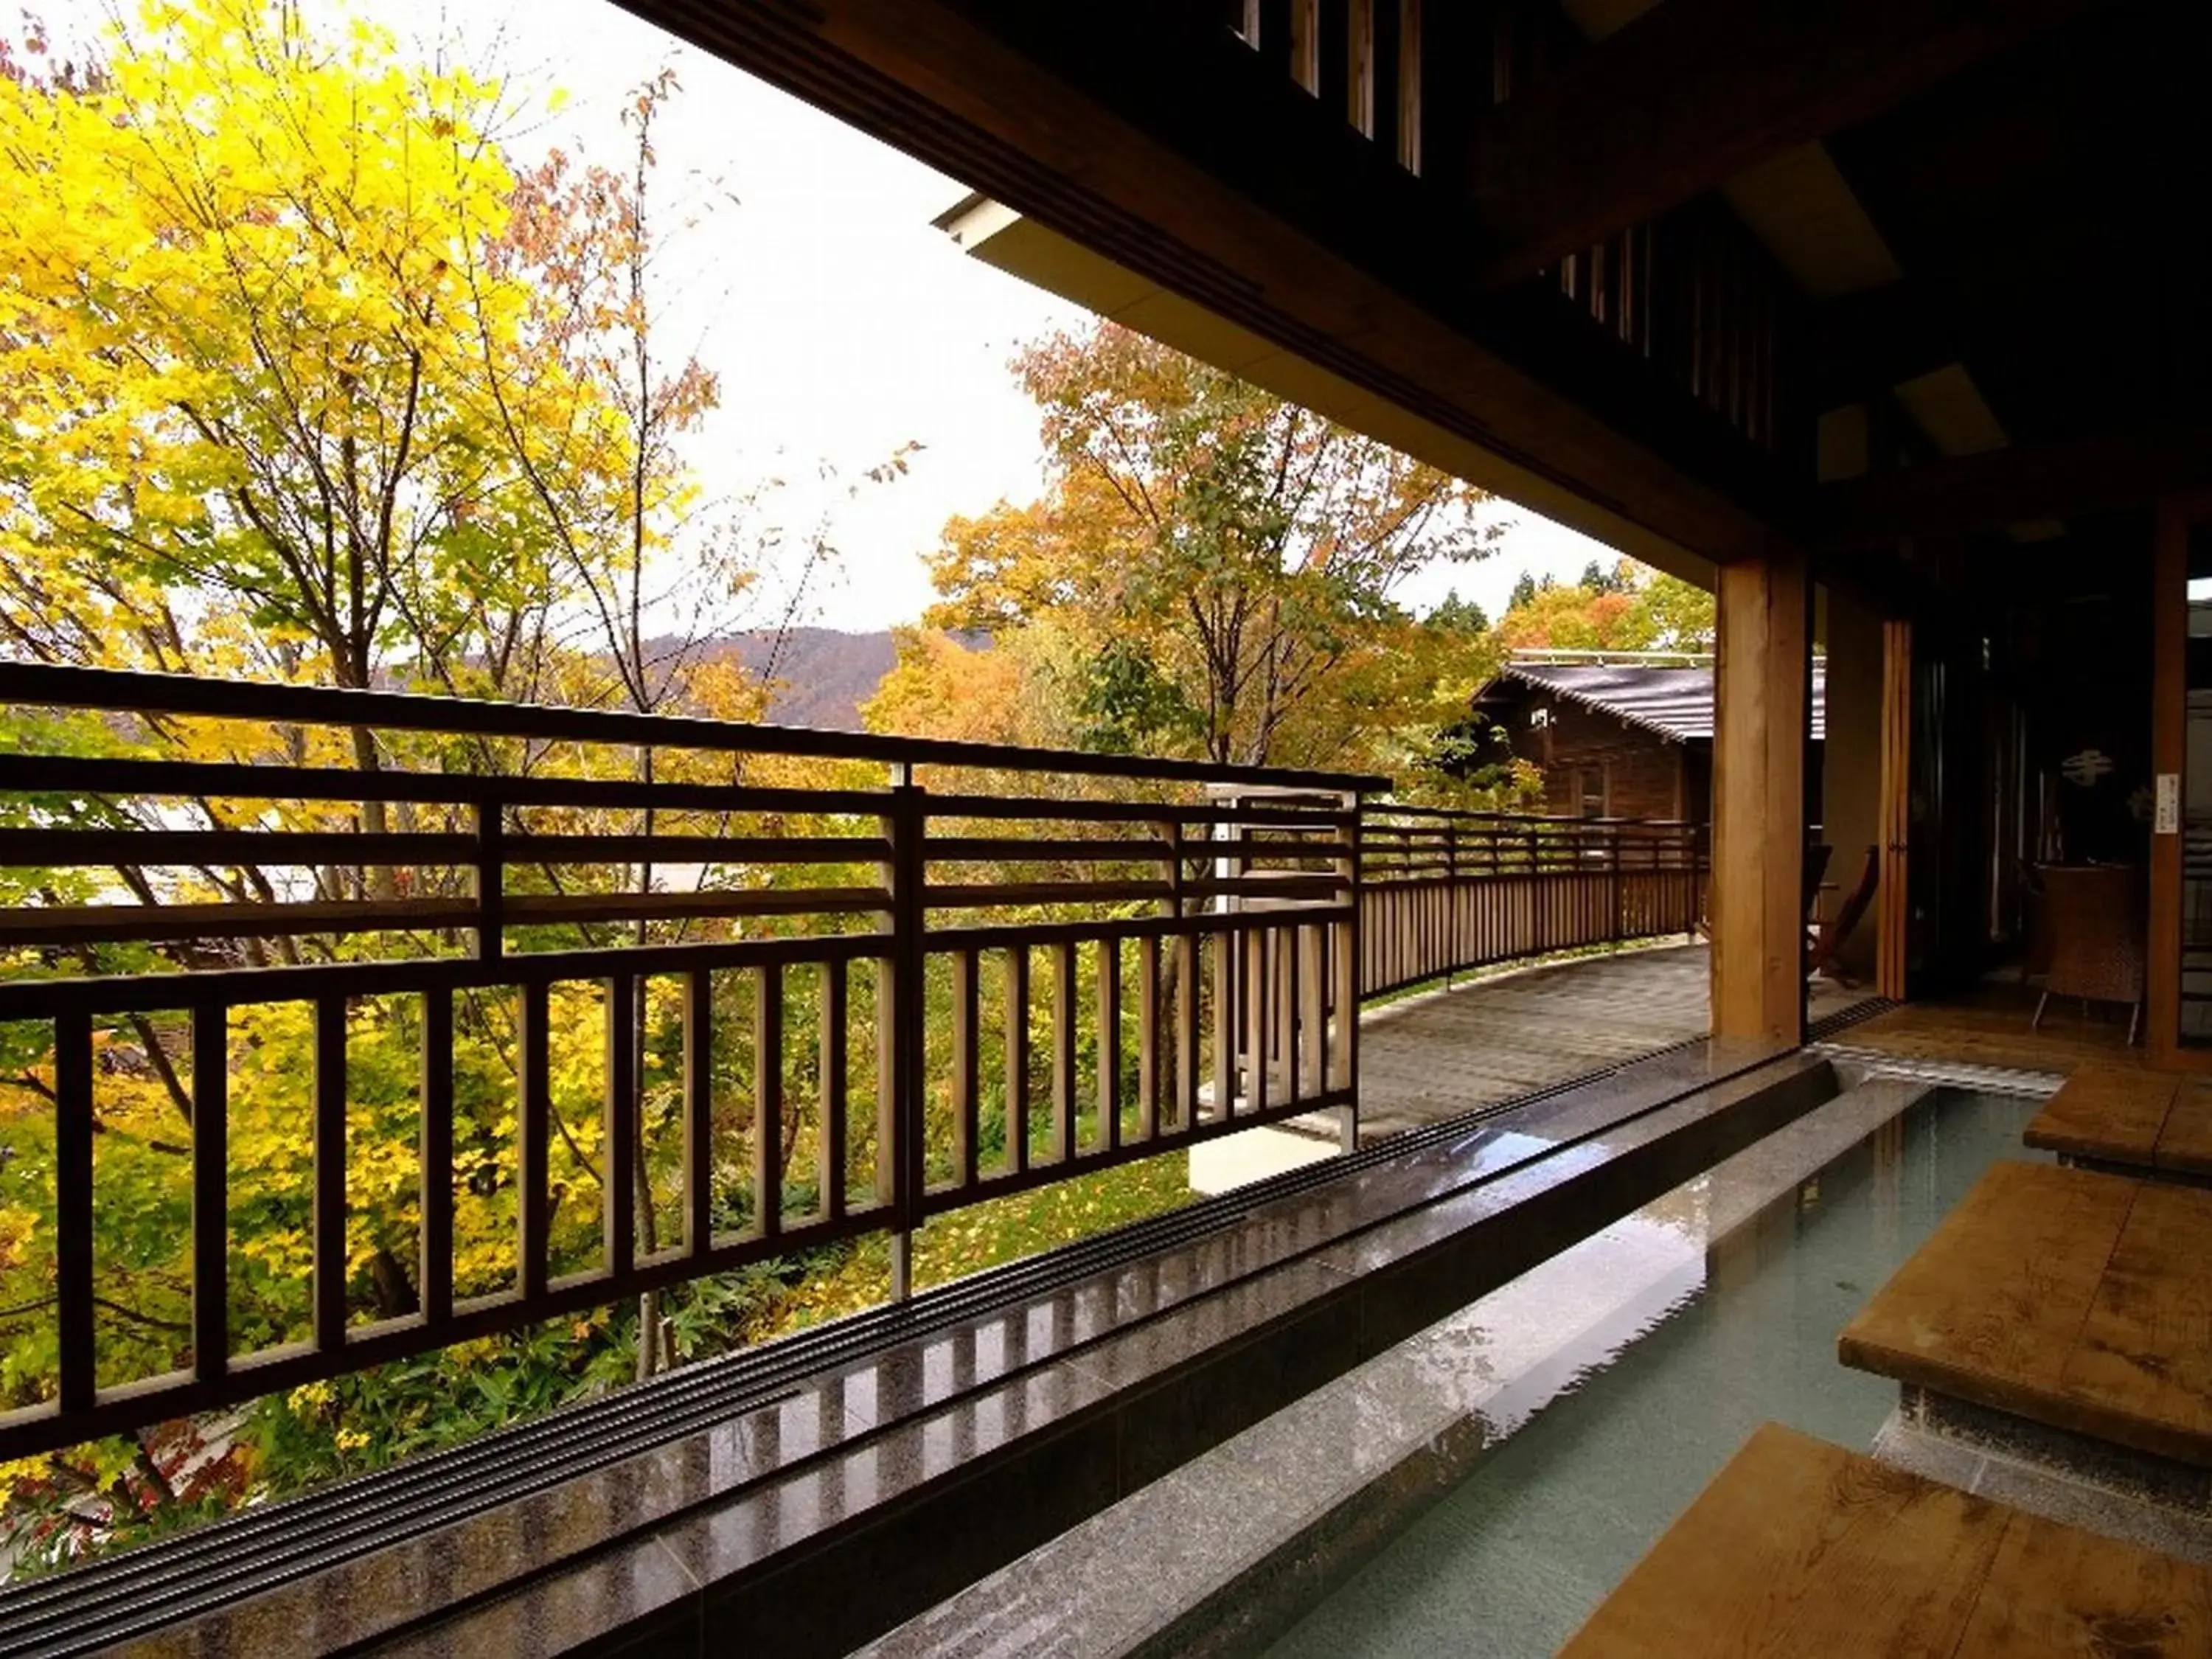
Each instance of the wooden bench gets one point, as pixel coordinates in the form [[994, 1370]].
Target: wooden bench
[[1803, 1548], [2132, 1123], [2070, 1298]]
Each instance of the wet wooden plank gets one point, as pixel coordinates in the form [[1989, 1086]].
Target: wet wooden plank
[[1989, 1308], [1800, 1547], [2185, 1145], [2075, 1299], [2143, 1355], [1803, 1548], [2107, 1114], [2055, 1589]]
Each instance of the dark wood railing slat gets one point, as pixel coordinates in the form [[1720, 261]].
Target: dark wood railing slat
[[329, 1219], [533, 1140], [436, 1157], [967, 1067], [1063, 1052], [698, 1112], [618, 1156], [1017, 1059], [210, 1193], [1109, 1043], [837, 1086], [768, 1101], [74, 1122]]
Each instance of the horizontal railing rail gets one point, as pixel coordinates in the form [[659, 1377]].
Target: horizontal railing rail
[[393, 1021]]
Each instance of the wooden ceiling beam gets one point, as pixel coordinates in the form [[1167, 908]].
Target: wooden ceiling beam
[[2025, 484], [1695, 92]]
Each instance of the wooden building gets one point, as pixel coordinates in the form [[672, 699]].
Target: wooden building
[[1618, 739]]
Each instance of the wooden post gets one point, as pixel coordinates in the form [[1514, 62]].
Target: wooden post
[[1894, 827], [2169, 745], [1762, 686]]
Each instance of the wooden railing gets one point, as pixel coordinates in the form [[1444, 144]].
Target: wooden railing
[[923, 976], [663, 997], [1442, 892]]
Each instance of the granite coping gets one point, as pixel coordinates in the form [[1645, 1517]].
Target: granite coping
[[1119, 1375], [1268, 1527]]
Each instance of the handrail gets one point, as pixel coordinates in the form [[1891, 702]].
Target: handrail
[[45, 686]]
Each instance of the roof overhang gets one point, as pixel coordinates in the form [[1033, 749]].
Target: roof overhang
[[996, 234]]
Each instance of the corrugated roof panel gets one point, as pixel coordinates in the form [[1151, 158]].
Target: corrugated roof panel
[[1675, 703]]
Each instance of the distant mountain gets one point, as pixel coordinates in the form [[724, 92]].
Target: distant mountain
[[823, 676]]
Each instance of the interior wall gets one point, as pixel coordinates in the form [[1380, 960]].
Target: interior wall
[[1850, 787]]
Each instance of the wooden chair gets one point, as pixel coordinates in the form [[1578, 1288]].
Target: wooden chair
[[2095, 919], [1838, 929]]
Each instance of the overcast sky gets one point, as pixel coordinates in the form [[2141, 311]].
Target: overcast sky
[[842, 325]]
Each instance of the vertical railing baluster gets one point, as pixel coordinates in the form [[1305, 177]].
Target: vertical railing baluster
[[1293, 976], [1225, 1025], [767, 1100], [1187, 996], [1351, 970], [619, 1105], [967, 1067], [73, 1212], [210, 1191], [329, 1220], [1063, 1050], [1148, 1038], [533, 1133], [829, 1152], [436, 1159], [1109, 1043], [1258, 994], [698, 1111], [901, 1125], [1312, 1015], [1017, 1058]]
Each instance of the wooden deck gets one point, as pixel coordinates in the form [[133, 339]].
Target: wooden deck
[[1800, 1547], [1443, 1052], [1990, 1027], [2076, 1300]]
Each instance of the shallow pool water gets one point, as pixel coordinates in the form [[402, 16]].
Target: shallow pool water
[[1515, 1557]]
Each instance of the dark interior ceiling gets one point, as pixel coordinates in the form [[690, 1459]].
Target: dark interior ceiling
[[2049, 210]]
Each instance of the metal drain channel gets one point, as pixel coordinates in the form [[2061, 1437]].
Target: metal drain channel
[[230, 1560]]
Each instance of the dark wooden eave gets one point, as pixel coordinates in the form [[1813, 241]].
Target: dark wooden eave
[[1149, 133], [1695, 92]]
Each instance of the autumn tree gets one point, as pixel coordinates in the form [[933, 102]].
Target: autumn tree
[[304, 375], [1634, 609], [1231, 559]]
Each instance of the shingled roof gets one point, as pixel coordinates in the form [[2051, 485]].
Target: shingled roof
[[1675, 703]]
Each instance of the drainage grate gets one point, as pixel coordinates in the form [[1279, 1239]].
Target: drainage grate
[[1843, 1019], [160, 1584]]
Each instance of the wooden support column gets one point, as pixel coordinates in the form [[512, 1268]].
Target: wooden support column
[[2169, 753], [1893, 895], [1762, 695]]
